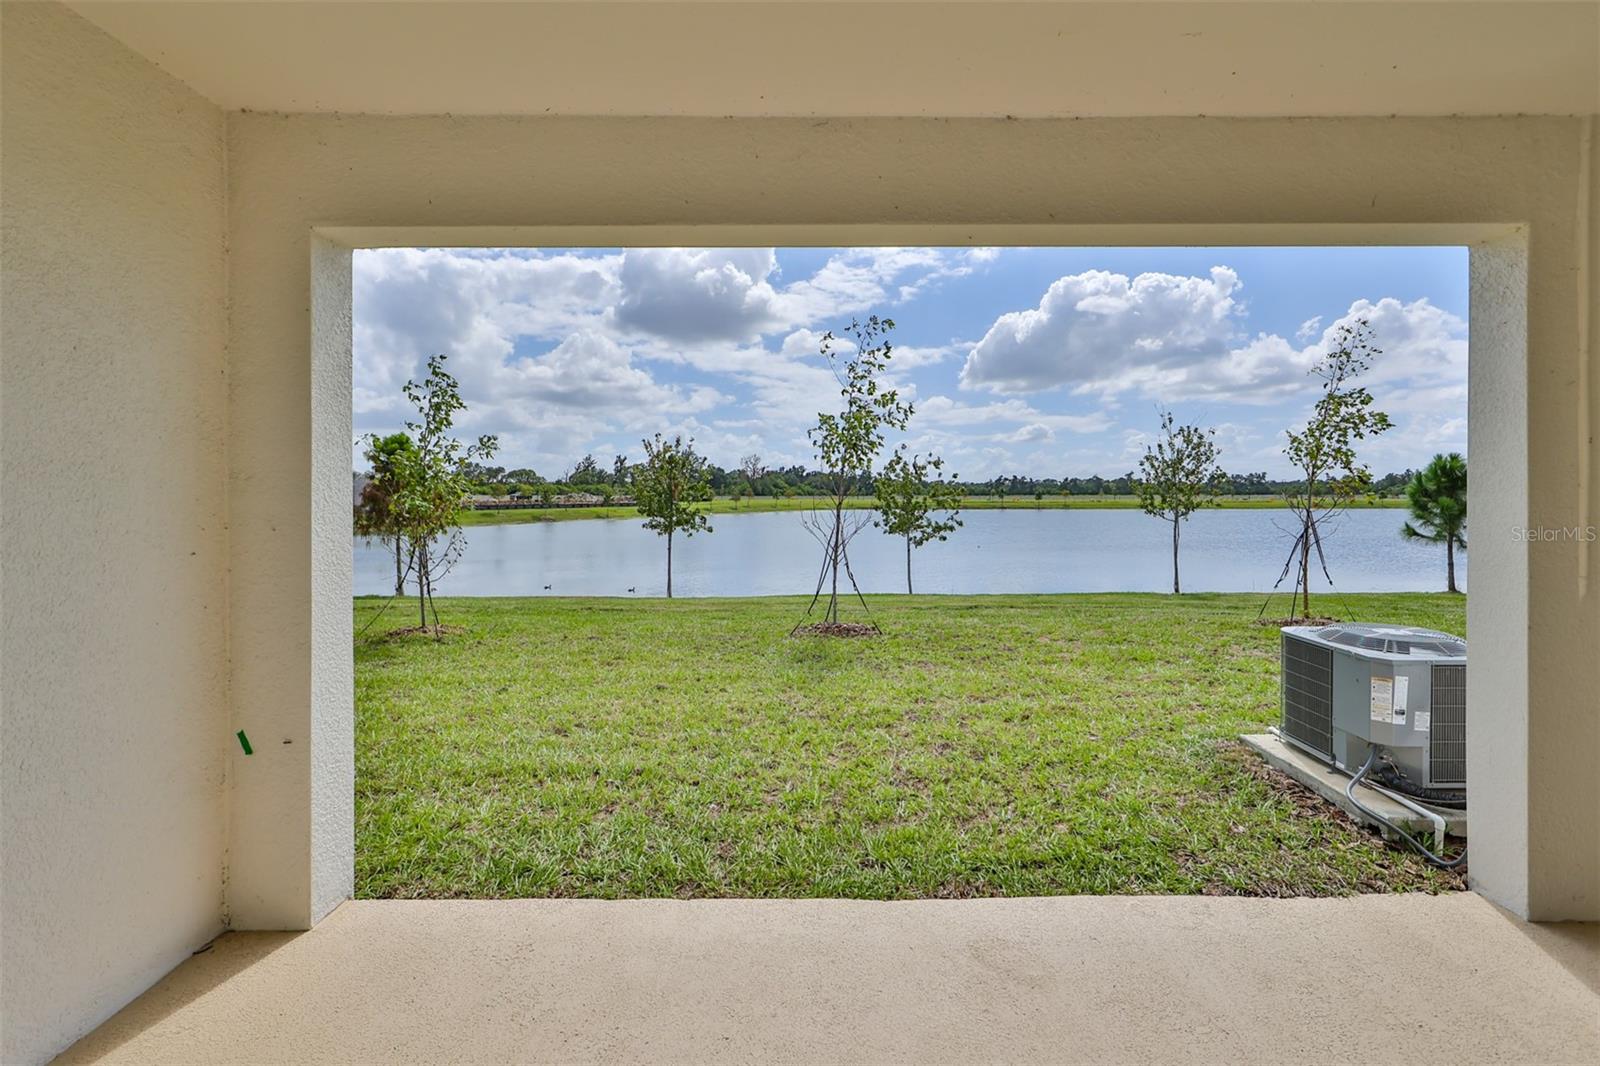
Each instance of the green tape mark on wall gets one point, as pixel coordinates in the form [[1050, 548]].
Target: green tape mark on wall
[[244, 742]]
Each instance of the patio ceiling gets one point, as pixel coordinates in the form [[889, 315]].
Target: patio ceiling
[[1270, 57]]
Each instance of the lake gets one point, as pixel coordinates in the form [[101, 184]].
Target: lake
[[1012, 550]]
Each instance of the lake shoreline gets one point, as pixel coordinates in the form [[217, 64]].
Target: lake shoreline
[[778, 504]]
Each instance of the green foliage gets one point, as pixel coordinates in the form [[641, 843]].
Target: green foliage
[[1324, 452], [586, 472], [847, 443], [914, 502], [1179, 476], [1438, 499], [375, 512], [666, 486], [430, 479]]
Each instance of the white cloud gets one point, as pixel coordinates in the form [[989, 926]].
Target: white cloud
[[1096, 329], [592, 372], [1420, 345], [1175, 338], [1032, 433], [698, 294], [686, 295], [411, 303], [1420, 341], [942, 411]]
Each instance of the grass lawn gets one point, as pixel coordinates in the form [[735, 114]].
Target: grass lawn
[[999, 745], [757, 504]]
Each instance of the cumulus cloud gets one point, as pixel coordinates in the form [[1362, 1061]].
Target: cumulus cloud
[[1032, 433], [411, 303], [1179, 338], [591, 371], [944, 411], [687, 295], [698, 294], [1419, 344], [1097, 328]]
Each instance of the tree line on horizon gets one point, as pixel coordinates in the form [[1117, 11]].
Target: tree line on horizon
[[753, 478]]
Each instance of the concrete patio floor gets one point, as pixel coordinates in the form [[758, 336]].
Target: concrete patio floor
[[1105, 979]]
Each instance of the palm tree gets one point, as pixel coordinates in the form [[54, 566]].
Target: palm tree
[[1438, 498]]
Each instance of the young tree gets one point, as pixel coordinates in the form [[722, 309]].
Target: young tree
[[1438, 498], [1180, 475], [375, 514], [666, 486], [1324, 452], [847, 445], [431, 480], [913, 506]]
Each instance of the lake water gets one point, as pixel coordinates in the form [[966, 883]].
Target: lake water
[[1012, 550]]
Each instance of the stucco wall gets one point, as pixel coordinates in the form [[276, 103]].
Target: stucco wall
[[112, 605], [1512, 187]]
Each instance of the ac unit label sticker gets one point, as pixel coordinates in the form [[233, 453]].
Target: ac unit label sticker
[[1383, 699]]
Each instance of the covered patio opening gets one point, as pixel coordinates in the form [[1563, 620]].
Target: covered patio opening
[[577, 742]]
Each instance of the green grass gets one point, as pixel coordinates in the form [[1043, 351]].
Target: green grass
[[1002, 745], [758, 504]]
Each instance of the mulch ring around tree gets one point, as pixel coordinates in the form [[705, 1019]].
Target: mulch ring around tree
[[431, 632], [838, 629]]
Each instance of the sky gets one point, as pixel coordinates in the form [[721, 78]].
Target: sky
[[1040, 362]]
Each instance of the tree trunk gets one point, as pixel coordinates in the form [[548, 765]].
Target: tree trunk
[[669, 564], [837, 548], [1305, 567], [399, 569], [1450, 562], [908, 566], [422, 586], [1175, 589]]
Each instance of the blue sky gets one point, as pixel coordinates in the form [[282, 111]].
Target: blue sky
[[1037, 361]]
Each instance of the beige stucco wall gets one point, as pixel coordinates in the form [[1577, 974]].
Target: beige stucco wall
[[155, 392], [112, 515], [1514, 188]]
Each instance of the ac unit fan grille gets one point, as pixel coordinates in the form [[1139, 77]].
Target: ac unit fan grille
[[1308, 695], [1447, 737]]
